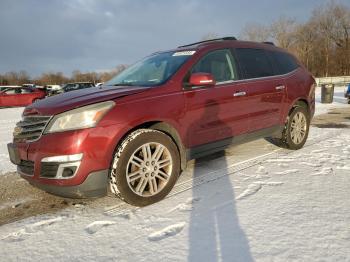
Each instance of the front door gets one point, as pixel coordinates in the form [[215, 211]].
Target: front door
[[218, 112]]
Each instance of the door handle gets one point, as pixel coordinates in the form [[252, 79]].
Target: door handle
[[239, 94], [281, 87]]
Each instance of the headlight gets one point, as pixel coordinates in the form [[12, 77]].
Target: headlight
[[83, 117]]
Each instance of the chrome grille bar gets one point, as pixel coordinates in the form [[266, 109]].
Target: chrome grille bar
[[30, 128]]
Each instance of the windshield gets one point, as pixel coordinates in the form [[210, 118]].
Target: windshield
[[151, 71]]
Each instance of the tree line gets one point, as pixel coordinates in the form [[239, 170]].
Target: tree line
[[322, 43], [58, 78]]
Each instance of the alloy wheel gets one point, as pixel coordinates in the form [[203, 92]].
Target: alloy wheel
[[298, 128], [149, 169]]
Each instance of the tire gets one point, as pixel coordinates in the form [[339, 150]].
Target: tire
[[145, 167], [295, 133]]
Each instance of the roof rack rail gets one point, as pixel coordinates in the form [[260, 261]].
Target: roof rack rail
[[210, 40], [268, 43]]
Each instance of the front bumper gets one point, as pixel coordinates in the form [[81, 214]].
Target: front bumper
[[93, 186], [36, 161]]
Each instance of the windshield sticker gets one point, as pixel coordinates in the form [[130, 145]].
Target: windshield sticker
[[184, 53]]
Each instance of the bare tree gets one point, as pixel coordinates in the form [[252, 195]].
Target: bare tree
[[333, 22], [283, 31], [305, 41], [255, 32]]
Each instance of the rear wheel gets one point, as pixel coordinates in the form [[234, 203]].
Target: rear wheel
[[145, 167], [296, 130]]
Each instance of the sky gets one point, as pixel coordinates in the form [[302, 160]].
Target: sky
[[95, 35]]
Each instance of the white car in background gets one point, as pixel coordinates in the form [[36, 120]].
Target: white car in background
[[53, 89]]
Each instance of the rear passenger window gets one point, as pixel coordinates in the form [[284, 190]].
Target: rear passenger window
[[283, 62], [254, 63], [219, 63], [26, 91]]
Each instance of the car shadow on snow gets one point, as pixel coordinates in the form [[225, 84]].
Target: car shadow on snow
[[214, 229]]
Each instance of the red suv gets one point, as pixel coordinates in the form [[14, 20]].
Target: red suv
[[137, 132]]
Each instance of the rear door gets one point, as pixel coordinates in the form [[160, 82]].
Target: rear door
[[266, 91], [218, 112]]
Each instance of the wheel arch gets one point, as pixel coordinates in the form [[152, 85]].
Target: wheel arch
[[300, 102], [169, 130]]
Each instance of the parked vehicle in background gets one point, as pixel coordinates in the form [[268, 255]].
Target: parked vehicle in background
[[137, 132], [6, 87], [52, 89], [347, 93], [20, 96], [30, 85], [75, 86]]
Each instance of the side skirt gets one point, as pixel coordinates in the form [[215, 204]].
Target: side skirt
[[210, 148]]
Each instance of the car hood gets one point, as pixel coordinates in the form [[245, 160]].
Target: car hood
[[63, 102]]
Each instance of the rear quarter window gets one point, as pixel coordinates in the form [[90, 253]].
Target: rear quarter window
[[283, 62], [254, 63]]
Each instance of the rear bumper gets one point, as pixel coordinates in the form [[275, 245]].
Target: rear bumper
[[95, 185]]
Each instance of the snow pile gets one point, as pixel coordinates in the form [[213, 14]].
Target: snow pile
[[8, 119]]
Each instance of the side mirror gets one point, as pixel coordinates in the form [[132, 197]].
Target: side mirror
[[202, 79]]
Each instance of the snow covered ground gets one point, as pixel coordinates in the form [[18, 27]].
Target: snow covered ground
[[279, 205]]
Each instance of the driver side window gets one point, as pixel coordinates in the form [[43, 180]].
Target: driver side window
[[219, 63]]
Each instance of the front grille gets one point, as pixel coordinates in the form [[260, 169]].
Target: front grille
[[26, 167], [30, 128], [48, 169]]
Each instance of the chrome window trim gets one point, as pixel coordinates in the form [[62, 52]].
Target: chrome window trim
[[257, 78], [219, 84]]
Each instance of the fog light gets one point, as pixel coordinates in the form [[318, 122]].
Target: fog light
[[69, 171]]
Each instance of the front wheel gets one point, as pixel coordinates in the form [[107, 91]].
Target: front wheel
[[145, 167]]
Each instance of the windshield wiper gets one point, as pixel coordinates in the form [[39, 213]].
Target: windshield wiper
[[123, 84]]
